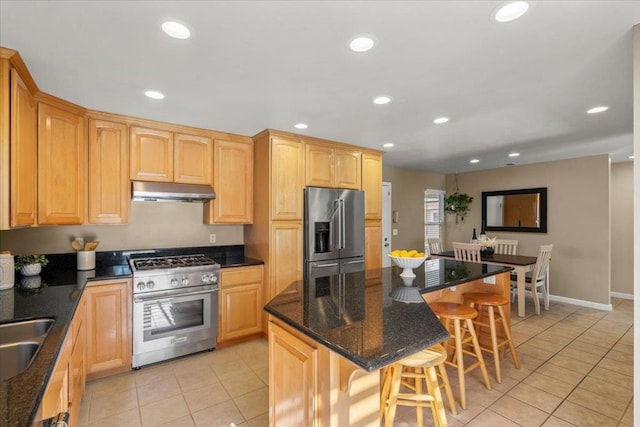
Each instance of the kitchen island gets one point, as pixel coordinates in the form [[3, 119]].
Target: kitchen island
[[329, 337]]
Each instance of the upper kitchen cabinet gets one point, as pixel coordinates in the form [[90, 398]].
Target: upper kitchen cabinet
[[18, 143], [332, 167], [372, 185], [151, 154], [109, 188], [192, 159], [287, 179], [232, 182], [164, 156], [62, 163]]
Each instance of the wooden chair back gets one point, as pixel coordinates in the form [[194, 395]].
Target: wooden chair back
[[506, 246], [542, 263], [434, 245], [466, 251]]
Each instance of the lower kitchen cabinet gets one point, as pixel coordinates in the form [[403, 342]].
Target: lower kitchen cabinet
[[108, 327], [240, 302], [372, 248]]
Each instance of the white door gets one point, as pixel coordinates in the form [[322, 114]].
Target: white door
[[386, 224]]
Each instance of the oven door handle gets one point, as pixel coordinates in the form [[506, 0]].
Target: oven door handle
[[142, 298]]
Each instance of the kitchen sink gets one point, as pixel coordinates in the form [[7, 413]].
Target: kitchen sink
[[27, 330], [19, 345], [16, 358]]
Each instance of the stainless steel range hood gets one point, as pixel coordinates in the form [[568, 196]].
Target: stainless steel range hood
[[171, 192]]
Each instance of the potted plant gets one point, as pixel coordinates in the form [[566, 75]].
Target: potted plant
[[458, 204], [30, 265]]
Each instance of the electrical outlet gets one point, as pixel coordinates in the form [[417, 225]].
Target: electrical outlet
[[212, 238], [491, 280]]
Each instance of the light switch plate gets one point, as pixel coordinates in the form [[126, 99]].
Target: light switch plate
[[395, 232]]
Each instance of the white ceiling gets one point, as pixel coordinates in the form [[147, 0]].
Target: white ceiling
[[522, 86]]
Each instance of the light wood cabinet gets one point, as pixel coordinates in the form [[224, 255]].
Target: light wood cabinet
[[240, 302], [192, 159], [287, 247], [293, 385], [109, 187], [108, 323], [164, 156], [372, 248], [18, 143], [287, 179], [62, 166], [77, 363], [332, 167], [151, 154], [372, 185], [232, 182]]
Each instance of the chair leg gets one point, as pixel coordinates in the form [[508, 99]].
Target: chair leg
[[545, 293], [536, 299], [494, 342]]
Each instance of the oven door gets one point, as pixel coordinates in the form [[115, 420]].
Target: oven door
[[174, 323]]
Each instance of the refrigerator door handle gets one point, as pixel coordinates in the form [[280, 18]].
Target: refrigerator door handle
[[355, 262], [333, 264], [343, 233]]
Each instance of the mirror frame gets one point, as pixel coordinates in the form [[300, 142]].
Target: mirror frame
[[542, 191]]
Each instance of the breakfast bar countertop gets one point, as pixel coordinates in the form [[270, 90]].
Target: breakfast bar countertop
[[376, 317]]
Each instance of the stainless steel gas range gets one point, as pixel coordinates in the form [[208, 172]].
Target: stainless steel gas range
[[175, 306]]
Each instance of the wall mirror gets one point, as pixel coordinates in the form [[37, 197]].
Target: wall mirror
[[522, 210]]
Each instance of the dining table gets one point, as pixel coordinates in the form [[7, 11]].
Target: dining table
[[521, 265]]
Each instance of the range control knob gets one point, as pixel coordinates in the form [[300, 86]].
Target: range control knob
[[140, 286], [213, 278], [185, 281], [205, 278], [150, 284], [174, 283]]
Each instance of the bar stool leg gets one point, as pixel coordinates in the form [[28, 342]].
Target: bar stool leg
[[460, 362], [507, 332], [494, 342], [386, 385], [418, 386], [447, 388], [437, 407], [390, 412], [478, 352]]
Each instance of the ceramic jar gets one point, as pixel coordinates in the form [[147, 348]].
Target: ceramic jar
[[7, 270]]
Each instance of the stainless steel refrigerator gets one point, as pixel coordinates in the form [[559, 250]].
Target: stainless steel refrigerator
[[334, 255], [333, 231]]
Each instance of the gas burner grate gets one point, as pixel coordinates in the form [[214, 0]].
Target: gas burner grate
[[171, 262]]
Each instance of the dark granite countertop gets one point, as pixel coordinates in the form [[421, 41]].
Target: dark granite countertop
[[374, 321], [57, 297]]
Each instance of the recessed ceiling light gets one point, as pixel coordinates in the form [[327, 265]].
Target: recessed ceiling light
[[474, 161], [596, 110], [381, 100], [387, 144], [301, 126], [514, 154], [441, 120], [176, 30], [511, 11], [154, 94], [362, 43]]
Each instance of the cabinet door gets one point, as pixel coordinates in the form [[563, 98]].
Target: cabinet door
[[109, 187], [286, 261], [372, 248], [109, 345], [347, 170], [151, 154], [287, 179], [372, 185], [56, 395], [240, 302], [23, 154], [77, 373], [319, 170], [233, 183], [292, 380], [61, 166], [193, 158]]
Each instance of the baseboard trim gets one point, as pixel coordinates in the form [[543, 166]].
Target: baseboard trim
[[622, 295], [582, 303]]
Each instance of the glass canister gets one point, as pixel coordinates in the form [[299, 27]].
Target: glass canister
[[7, 271]]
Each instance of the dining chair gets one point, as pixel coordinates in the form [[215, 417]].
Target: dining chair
[[434, 245], [466, 251], [506, 246], [539, 277]]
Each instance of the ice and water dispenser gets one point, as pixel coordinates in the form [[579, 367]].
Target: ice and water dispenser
[[322, 231]]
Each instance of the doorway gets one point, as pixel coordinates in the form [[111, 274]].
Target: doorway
[[386, 224]]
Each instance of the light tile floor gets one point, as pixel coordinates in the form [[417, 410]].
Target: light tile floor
[[576, 370]]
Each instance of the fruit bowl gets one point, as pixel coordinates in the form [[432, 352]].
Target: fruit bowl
[[408, 264]]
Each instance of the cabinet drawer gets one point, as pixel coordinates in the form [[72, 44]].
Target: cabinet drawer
[[240, 275]]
